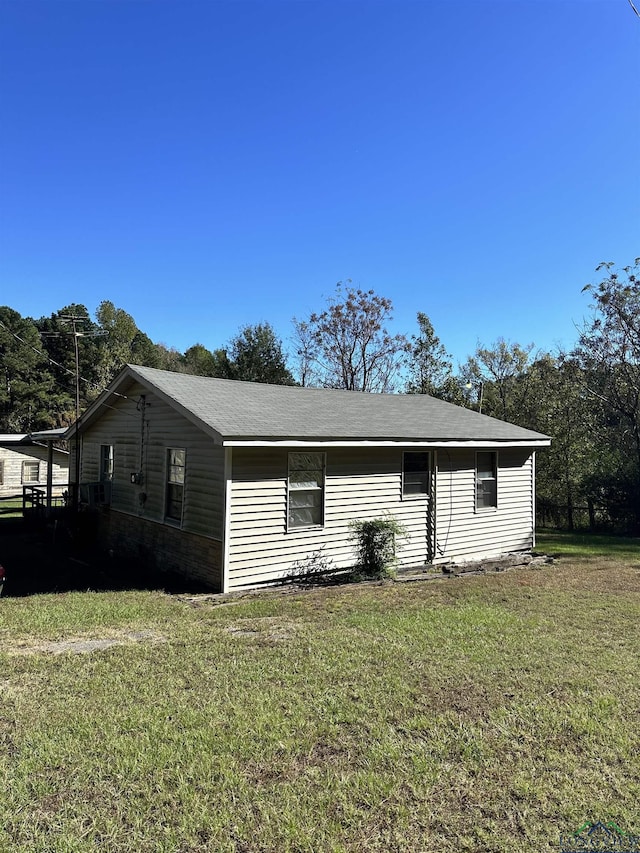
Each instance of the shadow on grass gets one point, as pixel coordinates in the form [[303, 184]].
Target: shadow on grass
[[587, 545], [44, 559]]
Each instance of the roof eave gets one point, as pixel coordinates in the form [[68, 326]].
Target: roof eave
[[130, 373], [386, 442]]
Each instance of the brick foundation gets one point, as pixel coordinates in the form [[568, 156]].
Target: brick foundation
[[162, 547]]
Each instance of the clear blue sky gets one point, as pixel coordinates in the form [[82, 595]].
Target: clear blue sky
[[208, 164]]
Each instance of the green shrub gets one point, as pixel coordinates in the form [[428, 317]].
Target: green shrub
[[376, 545]]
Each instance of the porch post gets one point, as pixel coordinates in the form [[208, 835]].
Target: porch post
[[49, 475]]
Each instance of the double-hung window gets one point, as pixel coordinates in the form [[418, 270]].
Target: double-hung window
[[415, 474], [486, 480], [30, 471], [176, 466], [106, 463], [306, 490]]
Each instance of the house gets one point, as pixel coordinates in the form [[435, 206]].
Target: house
[[31, 459], [234, 483]]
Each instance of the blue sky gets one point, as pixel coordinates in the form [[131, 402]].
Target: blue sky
[[205, 165]]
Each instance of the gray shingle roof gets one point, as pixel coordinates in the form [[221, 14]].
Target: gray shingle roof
[[253, 411]]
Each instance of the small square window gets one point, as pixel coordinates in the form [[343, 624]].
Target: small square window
[[31, 471]]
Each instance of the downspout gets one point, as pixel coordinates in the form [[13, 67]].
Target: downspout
[[433, 510], [533, 499]]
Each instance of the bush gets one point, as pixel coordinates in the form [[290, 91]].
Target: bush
[[376, 545]]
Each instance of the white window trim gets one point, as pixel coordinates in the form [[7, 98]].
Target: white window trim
[[483, 509], [421, 496], [174, 522], [290, 528]]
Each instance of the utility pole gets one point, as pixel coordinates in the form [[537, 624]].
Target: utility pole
[[73, 320]]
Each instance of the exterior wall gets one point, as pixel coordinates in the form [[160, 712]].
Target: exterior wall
[[11, 461], [464, 533], [161, 547], [140, 446], [360, 484], [366, 483]]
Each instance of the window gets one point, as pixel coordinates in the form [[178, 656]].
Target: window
[[486, 480], [175, 483], [106, 463], [1, 472], [30, 471], [306, 489], [415, 474]]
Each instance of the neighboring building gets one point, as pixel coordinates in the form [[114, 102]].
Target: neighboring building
[[234, 483], [25, 460]]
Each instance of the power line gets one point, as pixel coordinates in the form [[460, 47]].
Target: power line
[[94, 385]]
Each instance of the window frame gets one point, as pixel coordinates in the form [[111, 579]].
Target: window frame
[[321, 489], [170, 485], [106, 471], [478, 480], [27, 463], [412, 496]]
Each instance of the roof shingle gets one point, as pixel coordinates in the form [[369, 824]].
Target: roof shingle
[[253, 411]]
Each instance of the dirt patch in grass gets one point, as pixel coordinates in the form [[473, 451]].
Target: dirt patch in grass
[[270, 629], [83, 645]]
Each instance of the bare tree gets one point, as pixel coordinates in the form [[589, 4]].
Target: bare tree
[[348, 345]]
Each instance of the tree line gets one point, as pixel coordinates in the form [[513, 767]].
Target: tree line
[[586, 398]]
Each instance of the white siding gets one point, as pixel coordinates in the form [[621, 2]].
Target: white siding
[[366, 483], [464, 533], [360, 484], [11, 461], [143, 448]]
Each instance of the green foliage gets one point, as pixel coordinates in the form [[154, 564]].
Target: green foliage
[[26, 383], [57, 334], [557, 405], [376, 545], [430, 365], [255, 355], [200, 361], [501, 373], [608, 353]]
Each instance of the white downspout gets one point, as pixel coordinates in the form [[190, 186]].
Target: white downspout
[[533, 500]]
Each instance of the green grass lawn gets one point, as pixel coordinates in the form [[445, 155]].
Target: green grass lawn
[[11, 508], [487, 713], [589, 545]]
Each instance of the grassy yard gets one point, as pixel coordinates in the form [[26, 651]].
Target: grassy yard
[[11, 508], [487, 713]]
